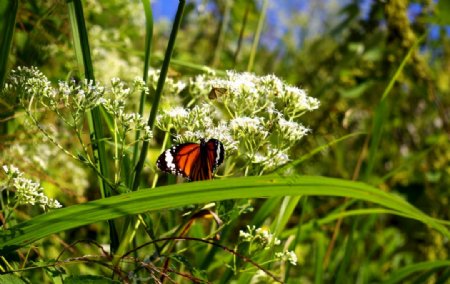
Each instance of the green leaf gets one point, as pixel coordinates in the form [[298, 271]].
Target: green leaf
[[401, 274], [356, 91], [203, 192], [88, 279], [443, 12], [10, 279], [8, 11]]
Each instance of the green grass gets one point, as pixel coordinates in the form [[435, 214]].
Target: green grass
[[356, 237], [203, 192]]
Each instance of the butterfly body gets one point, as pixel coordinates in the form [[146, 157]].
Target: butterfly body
[[191, 160]]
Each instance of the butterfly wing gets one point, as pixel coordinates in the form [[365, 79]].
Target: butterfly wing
[[193, 161], [216, 153], [216, 92], [211, 156], [179, 159]]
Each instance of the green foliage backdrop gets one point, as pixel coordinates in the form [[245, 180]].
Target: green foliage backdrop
[[363, 198]]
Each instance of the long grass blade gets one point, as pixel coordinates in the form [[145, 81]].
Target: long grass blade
[[382, 111], [255, 43], [158, 92], [316, 151], [8, 11], [82, 49], [320, 247], [400, 275], [174, 196], [148, 47]]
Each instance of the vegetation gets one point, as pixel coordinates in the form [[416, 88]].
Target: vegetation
[[334, 119]]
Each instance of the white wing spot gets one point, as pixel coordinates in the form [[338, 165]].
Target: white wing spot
[[168, 157], [217, 153]]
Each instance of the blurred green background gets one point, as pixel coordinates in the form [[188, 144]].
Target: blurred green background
[[343, 52]]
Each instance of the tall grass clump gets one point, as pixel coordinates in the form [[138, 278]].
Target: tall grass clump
[[83, 152]]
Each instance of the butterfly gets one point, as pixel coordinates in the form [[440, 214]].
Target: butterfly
[[217, 92], [191, 160]]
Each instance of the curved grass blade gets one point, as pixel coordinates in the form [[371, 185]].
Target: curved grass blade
[[203, 192], [316, 151]]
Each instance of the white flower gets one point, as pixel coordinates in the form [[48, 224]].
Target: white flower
[[200, 117], [12, 171], [275, 158], [259, 158], [291, 130], [260, 236], [287, 256], [177, 113], [28, 192], [223, 134], [174, 117], [295, 101], [189, 136], [265, 238], [246, 237], [261, 277], [247, 126]]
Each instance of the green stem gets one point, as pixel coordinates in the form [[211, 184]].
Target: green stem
[[82, 50], [116, 152], [221, 37], [257, 35], [148, 47], [8, 14], [166, 139], [382, 112], [158, 92], [241, 33]]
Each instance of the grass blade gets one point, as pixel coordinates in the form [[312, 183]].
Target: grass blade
[[148, 47], [255, 43], [174, 196], [382, 111], [320, 248], [82, 50], [158, 92], [400, 275], [8, 11]]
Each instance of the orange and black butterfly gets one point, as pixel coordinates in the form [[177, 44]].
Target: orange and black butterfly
[[191, 160]]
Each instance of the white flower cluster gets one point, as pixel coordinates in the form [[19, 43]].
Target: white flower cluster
[[171, 86], [291, 130], [28, 192], [261, 277], [71, 100], [193, 124], [29, 82], [287, 256], [116, 102], [271, 159], [248, 94], [262, 237], [242, 127], [265, 240], [255, 117], [40, 155]]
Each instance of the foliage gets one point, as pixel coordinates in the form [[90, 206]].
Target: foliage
[[72, 134]]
